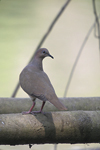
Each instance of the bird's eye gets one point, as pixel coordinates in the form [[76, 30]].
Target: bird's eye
[[44, 52]]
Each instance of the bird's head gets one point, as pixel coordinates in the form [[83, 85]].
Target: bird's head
[[42, 53]]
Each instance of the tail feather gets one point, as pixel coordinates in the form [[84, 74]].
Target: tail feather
[[58, 104]]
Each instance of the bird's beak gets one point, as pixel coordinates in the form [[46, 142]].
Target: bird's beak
[[51, 56]]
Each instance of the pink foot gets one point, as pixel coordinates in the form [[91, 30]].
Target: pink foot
[[36, 112], [26, 112]]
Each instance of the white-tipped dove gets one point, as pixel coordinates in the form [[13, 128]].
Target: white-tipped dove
[[35, 82]]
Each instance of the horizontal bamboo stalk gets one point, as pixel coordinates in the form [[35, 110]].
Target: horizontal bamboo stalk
[[55, 127], [17, 105]]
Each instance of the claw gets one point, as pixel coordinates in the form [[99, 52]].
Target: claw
[[33, 112], [37, 112], [26, 112]]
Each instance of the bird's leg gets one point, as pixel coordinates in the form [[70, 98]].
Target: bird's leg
[[29, 112], [40, 111]]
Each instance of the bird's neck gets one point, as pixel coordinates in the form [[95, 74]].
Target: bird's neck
[[37, 63]]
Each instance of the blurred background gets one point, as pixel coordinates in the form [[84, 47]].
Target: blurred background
[[23, 24]]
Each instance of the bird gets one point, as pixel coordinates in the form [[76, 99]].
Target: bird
[[35, 82]]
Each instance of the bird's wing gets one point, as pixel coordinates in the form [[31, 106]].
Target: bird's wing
[[37, 84]]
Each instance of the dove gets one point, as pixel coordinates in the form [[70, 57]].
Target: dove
[[35, 82]]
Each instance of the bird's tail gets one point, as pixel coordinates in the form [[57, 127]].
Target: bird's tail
[[56, 102]]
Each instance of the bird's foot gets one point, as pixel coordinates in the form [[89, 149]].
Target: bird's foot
[[36, 112], [32, 112], [26, 112]]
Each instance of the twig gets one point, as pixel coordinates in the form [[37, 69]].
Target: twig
[[16, 90], [51, 26], [77, 58], [44, 38], [97, 23], [55, 146]]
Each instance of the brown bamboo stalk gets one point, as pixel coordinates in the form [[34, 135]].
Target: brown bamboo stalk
[[55, 127], [17, 105]]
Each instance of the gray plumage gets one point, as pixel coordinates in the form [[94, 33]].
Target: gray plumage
[[35, 82]]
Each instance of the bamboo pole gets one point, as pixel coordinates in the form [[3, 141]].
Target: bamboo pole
[[17, 105], [55, 127]]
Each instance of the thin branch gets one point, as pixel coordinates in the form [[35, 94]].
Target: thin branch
[[16, 90], [55, 146], [77, 58], [97, 22], [52, 25], [44, 38]]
